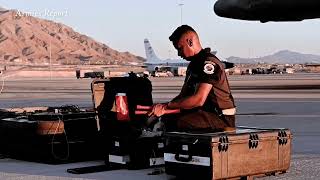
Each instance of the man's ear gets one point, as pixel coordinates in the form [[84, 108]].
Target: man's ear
[[190, 43]]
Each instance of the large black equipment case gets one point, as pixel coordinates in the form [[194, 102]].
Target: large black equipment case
[[137, 153], [67, 136], [138, 91], [123, 137]]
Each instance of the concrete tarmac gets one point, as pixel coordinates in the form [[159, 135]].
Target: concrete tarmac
[[287, 101]]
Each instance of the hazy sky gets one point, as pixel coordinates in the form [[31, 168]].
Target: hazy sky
[[123, 24]]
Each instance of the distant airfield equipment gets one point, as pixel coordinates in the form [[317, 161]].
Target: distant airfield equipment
[[78, 73], [268, 10], [94, 74]]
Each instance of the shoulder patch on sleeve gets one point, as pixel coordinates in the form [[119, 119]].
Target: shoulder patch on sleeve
[[208, 67]]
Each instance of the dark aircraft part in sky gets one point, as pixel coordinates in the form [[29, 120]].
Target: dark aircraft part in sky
[[228, 65], [268, 10]]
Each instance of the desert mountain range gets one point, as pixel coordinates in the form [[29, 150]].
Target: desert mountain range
[[27, 39], [281, 57]]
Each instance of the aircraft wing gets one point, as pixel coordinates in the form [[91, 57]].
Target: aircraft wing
[[227, 65], [268, 10]]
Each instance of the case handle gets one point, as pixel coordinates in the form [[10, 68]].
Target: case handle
[[183, 159]]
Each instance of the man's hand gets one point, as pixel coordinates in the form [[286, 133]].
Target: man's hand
[[158, 110]]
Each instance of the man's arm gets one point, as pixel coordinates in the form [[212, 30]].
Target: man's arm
[[181, 94], [189, 102]]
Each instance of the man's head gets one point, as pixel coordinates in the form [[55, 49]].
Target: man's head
[[185, 39]]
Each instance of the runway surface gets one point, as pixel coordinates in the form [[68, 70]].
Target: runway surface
[[288, 101]]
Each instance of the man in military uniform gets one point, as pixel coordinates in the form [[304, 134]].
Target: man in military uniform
[[205, 100]]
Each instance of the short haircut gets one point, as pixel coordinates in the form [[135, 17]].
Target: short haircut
[[179, 32]]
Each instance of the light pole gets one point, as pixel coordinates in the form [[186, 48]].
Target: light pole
[[50, 61], [181, 4]]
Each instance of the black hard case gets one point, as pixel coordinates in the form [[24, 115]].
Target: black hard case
[[19, 137], [125, 145], [138, 91]]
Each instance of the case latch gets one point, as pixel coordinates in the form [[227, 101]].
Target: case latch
[[253, 141], [282, 137], [223, 143]]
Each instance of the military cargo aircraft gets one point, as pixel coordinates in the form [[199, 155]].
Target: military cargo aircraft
[[154, 63]]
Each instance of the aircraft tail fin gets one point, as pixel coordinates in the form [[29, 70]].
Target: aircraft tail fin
[[150, 54]]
